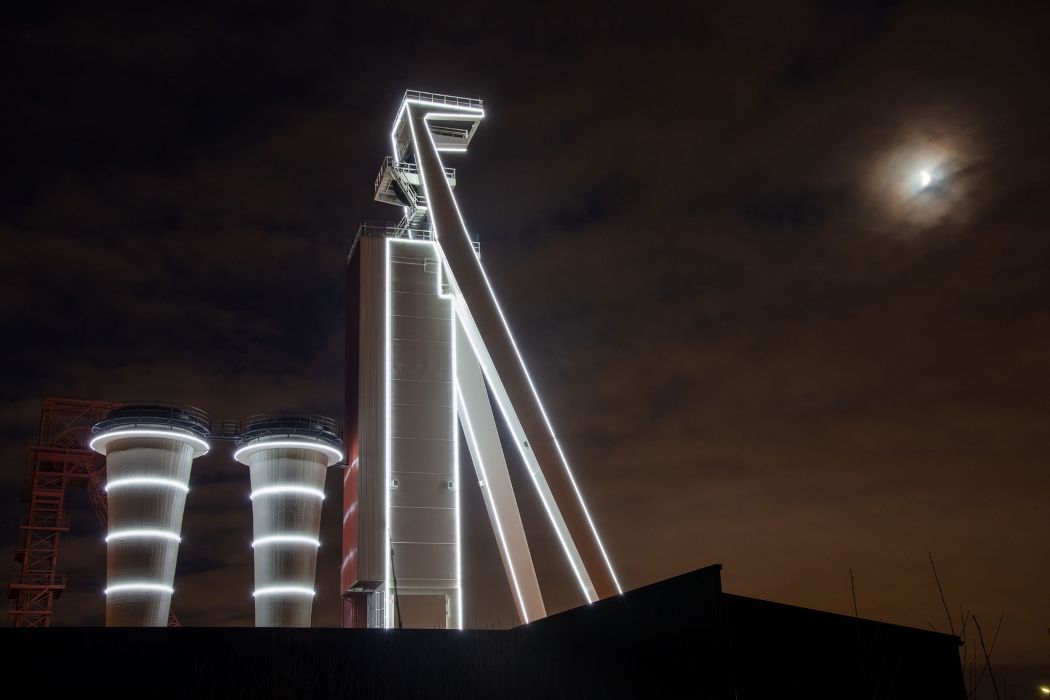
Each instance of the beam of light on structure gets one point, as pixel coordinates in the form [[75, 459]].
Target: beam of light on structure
[[468, 429], [143, 534], [286, 539], [284, 590], [287, 489], [532, 386], [146, 481], [138, 586]]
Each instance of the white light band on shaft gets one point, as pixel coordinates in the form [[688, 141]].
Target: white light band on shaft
[[139, 586], [287, 539], [146, 481], [284, 590], [143, 534], [288, 489]]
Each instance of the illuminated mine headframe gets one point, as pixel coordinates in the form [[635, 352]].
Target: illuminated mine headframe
[[288, 457], [427, 343], [149, 451]]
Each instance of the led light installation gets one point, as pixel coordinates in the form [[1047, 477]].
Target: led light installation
[[288, 457], [428, 344], [149, 451]]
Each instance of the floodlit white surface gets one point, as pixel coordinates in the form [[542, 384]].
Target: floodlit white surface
[[287, 479]]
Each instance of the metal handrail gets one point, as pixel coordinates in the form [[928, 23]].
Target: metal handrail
[[153, 413], [449, 131], [322, 428], [437, 98], [385, 228], [404, 167]]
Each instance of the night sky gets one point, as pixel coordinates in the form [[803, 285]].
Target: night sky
[[761, 342]]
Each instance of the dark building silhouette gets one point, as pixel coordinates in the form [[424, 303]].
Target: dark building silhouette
[[682, 637]]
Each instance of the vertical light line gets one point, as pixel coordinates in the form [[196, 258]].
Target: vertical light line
[[387, 428], [455, 454]]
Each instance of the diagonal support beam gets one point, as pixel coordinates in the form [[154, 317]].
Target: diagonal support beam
[[504, 368], [486, 452]]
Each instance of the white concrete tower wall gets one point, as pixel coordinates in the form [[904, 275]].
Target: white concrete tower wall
[[148, 464], [287, 468]]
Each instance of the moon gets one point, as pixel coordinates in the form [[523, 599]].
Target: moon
[[924, 178]]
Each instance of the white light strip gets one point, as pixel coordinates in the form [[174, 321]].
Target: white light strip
[[455, 456], [285, 590], [143, 586], [490, 501], [253, 447], [146, 481], [147, 432], [532, 386], [144, 534], [301, 490], [387, 606], [287, 539]]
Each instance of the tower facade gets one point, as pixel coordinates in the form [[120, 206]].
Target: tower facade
[[287, 457], [149, 451], [427, 345]]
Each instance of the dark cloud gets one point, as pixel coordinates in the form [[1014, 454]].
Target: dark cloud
[[757, 349]]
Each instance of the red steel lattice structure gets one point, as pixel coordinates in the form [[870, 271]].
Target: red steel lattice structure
[[59, 460]]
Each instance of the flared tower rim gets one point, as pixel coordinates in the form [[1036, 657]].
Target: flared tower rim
[[288, 430]]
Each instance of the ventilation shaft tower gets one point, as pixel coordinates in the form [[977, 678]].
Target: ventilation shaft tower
[[427, 343]]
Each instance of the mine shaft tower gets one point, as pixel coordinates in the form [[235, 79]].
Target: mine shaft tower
[[427, 343]]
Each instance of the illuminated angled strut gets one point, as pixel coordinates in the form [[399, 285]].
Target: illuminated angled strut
[[426, 126]]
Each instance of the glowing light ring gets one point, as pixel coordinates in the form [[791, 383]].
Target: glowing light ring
[[146, 481], [301, 490], [104, 439], [144, 534], [455, 452], [287, 539], [139, 586], [334, 455], [284, 590]]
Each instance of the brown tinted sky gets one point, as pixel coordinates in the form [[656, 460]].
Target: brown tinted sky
[[761, 346]]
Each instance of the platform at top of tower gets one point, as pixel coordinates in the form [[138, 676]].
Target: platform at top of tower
[[452, 122], [447, 100]]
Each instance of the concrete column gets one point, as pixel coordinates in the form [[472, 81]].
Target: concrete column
[[147, 479], [287, 478]]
